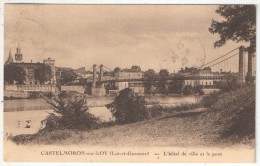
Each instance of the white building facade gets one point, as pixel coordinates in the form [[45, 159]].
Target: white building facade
[[136, 86], [204, 79]]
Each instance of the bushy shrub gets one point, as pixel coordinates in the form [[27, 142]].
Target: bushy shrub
[[198, 90], [233, 114], [158, 110], [228, 83], [128, 107], [184, 107], [188, 90], [70, 113], [155, 111], [210, 99]]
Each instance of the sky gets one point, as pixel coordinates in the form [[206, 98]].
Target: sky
[[150, 36]]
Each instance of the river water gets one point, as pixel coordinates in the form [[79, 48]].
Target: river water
[[28, 104], [96, 104], [18, 112]]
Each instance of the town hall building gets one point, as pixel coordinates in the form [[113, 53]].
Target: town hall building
[[31, 83]]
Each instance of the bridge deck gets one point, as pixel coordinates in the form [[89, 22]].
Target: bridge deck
[[167, 79]]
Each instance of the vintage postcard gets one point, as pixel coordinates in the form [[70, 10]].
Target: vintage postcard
[[129, 83]]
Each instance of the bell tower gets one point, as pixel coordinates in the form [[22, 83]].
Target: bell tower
[[18, 55]]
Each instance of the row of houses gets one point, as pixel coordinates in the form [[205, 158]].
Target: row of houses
[[129, 79]]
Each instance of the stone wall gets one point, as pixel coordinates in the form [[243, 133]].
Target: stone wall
[[31, 88], [76, 88]]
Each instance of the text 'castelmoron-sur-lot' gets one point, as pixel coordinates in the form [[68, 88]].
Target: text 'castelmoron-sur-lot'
[[98, 153]]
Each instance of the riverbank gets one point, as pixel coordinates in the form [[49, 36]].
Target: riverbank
[[174, 133], [178, 129], [17, 112], [228, 120]]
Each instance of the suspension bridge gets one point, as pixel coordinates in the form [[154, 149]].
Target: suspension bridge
[[236, 61]]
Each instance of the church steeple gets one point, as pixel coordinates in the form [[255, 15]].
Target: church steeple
[[18, 55], [10, 58]]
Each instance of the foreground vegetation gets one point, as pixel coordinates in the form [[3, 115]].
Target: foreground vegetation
[[232, 115], [227, 118]]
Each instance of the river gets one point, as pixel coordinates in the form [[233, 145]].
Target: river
[[17, 112], [33, 104]]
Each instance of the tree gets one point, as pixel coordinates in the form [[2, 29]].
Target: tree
[[228, 83], [135, 68], [128, 107], [117, 69], [207, 68], [43, 73], [188, 90], [14, 73], [191, 70], [68, 76], [164, 74], [239, 25], [150, 74], [176, 86], [71, 112], [149, 84]]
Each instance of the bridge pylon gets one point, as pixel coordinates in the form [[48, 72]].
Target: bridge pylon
[[241, 62], [98, 90]]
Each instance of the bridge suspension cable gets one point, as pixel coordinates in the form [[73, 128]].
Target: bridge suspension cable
[[108, 68], [224, 59], [218, 57], [90, 70]]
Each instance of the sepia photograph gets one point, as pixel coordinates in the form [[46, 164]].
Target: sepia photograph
[[129, 83]]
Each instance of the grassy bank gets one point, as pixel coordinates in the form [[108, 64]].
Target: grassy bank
[[228, 119], [232, 116]]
